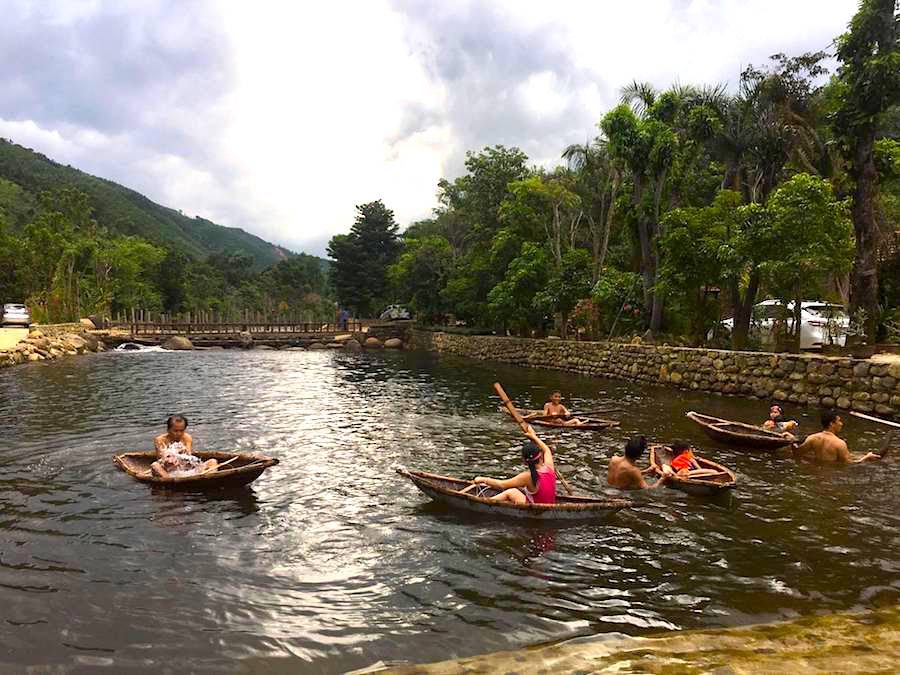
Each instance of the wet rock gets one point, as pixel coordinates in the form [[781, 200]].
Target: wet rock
[[76, 342], [373, 343], [352, 345], [316, 346], [343, 338], [87, 324], [843, 402], [178, 343], [263, 348], [393, 343]]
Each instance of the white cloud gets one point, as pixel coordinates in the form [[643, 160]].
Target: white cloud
[[284, 116]]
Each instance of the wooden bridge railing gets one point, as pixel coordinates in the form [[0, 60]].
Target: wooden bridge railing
[[235, 328]]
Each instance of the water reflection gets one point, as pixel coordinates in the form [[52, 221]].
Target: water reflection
[[332, 561]]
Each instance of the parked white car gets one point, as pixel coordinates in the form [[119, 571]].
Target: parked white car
[[15, 315], [821, 323], [395, 313]]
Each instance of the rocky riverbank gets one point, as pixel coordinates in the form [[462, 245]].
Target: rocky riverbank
[[865, 385], [39, 345]]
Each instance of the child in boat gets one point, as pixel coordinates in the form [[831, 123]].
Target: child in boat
[[535, 486], [683, 460], [554, 406], [778, 422], [174, 451]]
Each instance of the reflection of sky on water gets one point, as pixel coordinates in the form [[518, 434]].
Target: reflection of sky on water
[[332, 559]]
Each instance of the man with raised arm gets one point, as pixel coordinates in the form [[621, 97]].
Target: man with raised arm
[[826, 446], [624, 473]]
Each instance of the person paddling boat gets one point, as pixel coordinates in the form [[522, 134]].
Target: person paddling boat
[[554, 408], [537, 485], [174, 451]]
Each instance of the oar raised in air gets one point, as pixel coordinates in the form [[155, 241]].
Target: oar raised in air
[[524, 425], [875, 419]]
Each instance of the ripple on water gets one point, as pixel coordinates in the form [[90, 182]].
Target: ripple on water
[[332, 559]]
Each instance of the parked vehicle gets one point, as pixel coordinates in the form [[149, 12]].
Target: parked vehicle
[[821, 323], [15, 315], [395, 313]]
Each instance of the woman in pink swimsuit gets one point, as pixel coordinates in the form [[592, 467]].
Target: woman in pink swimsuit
[[535, 486]]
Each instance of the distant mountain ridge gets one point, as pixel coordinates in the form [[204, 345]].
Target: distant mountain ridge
[[125, 211]]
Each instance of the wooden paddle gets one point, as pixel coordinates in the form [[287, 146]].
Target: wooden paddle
[[467, 489], [875, 419], [589, 413], [524, 425], [219, 466]]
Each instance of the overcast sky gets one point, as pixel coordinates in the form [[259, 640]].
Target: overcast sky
[[280, 117]]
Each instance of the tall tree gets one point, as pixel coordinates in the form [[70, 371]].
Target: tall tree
[[869, 78], [362, 258], [599, 181]]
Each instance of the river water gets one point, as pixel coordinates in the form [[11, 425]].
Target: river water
[[330, 561]]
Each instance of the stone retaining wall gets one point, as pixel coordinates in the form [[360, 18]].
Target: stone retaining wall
[[52, 330], [851, 384]]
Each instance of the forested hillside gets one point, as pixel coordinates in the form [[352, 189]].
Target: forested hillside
[[73, 245], [125, 211]]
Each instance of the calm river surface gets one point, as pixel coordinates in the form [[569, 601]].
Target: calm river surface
[[331, 561]]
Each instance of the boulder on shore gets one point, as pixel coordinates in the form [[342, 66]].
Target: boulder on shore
[[75, 342], [92, 341], [352, 344], [178, 343], [393, 343], [317, 345], [265, 348], [87, 324], [343, 338], [373, 343]]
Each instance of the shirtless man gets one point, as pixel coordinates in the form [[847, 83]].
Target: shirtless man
[[555, 407], [174, 450], [623, 472], [825, 446]]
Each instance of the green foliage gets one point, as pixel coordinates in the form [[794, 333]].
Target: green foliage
[[123, 211], [618, 299], [511, 302], [362, 258], [65, 263], [811, 231], [567, 286], [421, 273]]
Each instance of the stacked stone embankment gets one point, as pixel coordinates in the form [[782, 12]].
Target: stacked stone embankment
[[51, 342], [807, 379]]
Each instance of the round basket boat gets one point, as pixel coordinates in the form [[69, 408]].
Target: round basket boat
[[241, 471]]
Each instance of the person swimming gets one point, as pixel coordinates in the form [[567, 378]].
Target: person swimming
[[537, 485]]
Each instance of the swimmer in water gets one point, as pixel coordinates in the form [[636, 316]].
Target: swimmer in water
[[174, 451]]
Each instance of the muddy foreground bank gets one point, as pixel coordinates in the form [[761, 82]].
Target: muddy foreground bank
[[847, 643]]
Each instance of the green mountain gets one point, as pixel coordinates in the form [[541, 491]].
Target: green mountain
[[28, 173]]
